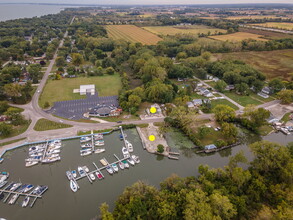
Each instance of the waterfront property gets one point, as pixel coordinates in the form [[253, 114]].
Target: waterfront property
[[104, 111]]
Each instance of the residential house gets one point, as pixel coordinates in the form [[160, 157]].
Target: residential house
[[197, 102], [190, 105], [261, 94], [105, 111], [229, 87], [266, 90]]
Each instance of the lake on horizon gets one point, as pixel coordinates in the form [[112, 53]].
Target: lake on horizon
[[15, 11]]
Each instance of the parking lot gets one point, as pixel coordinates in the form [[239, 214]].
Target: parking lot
[[75, 109]]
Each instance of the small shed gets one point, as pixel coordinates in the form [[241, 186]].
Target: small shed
[[210, 147]]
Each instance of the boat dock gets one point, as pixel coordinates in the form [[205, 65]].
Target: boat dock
[[45, 151], [123, 136], [34, 196], [98, 169]]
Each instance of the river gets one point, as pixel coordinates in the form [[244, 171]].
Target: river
[[59, 202], [15, 11]]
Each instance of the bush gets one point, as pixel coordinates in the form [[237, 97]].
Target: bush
[[47, 105], [220, 143], [160, 148]]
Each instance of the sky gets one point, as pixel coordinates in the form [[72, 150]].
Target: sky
[[144, 2]]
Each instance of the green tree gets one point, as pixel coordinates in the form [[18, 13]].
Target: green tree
[[224, 113], [229, 130], [15, 116], [220, 85], [12, 90], [242, 88], [159, 92], [3, 106], [222, 207], [105, 214], [134, 101], [286, 96], [110, 70], [60, 61], [276, 85], [35, 72], [160, 148], [77, 59]]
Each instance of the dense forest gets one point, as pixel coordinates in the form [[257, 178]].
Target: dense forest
[[262, 191]]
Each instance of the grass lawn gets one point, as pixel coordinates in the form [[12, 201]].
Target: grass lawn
[[223, 102], [95, 131], [211, 137], [17, 130], [11, 142], [62, 90], [242, 100], [255, 96], [121, 118], [286, 117], [44, 125]]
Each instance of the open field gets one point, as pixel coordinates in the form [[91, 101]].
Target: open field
[[62, 90], [277, 25], [243, 100], [192, 29], [251, 17], [132, 33], [273, 64], [223, 102], [238, 36], [44, 125], [266, 34]]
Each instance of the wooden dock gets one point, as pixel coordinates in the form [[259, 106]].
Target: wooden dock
[[45, 151]]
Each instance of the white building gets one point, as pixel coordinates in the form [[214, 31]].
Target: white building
[[84, 89]]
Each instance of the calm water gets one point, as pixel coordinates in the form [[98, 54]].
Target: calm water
[[14, 11], [59, 202]]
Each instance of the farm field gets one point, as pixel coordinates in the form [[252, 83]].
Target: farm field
[[192, 29], [273, 64], [107, 85], [132, 33], [278, 25], [250, 17], [266, 34], [238, 36]]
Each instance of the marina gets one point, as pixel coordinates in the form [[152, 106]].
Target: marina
[[67, 205]]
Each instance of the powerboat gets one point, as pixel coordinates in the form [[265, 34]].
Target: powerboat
[[126, 165], [22, 188], [100, 150], [99, 175], [55, 151], [73, 186], [103, 162], [10, 186], [86, 146], [85, 153], [135, 158], [121, 165], [81, 171], [86, 169], [115, 167], [51, 159], [33, 159], [73, 172], [25, 202], [69, 175], [98, 136], [1, 159], [129, 146], [15, 186], [92, 176], [31, 163], [125, 152], [28, 188], [131, 161], [109, 169], [36, 190], [3, 176], [85, 139], [99, 143], [36, 154], [3, 183], [13, 199]]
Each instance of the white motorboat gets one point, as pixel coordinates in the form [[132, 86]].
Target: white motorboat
[[3, 183], [81, 171], [51, 159], [99, 175], [126, 165], [1, 160], [135, 158], [86, 169], [56, 151], [3, 176], [85, 139], [109, 169], [85, 153], [38, 158], [100, 150], [125, 152], [99, 143], [98, 136], [86, 146], [73, 172], [115, 167], [15, 186], [121, 165], [73, 186], [13, 199], [69, 175], [28, 188], [54, 147], [129, 146], [54, 155], [36, 154], [92, 176], [25, 202], [31, 163], [131, 161]]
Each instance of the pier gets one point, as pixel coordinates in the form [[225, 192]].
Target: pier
[[45, 151]]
